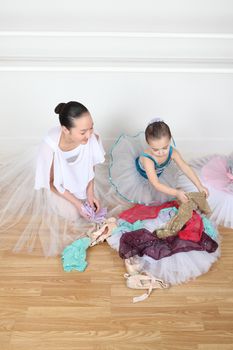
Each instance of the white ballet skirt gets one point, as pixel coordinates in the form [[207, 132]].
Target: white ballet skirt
[[175, 269], [213, 177], [126, 180], [33, 219]]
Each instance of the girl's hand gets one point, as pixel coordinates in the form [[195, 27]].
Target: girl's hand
[[205, 190], [94, 203], [182, 196], [79, 206]]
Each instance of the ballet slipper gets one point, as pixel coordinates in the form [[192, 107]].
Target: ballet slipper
[[132, 266], [141, 281], [103, 232]]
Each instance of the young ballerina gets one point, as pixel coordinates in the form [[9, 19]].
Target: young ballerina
[[44, 194], [148, 171]]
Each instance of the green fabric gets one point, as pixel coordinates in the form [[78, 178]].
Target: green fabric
[[209, 228], [74, 255]]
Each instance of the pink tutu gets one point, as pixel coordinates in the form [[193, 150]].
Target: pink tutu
[[217, 173]]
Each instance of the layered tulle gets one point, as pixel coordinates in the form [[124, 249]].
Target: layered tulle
[[180, 267], [40, 221], [177, 268]]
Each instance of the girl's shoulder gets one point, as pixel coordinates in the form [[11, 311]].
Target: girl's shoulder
[[175, 153], [96, 142], [146, 157], [96, 148], [53, 136], [97, 136], [147, 151], [54, 133]]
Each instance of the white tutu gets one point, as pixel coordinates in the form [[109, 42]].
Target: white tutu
[[126, 180], [40, 221], [175, 269], [220, 200], [178, 268]]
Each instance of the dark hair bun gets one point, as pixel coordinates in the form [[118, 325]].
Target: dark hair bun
[[59, 108]]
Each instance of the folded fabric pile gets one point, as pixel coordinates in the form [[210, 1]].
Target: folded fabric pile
[[161, 245], [187, 252]]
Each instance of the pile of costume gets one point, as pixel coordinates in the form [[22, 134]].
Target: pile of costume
[[170, 243], [161, 245]]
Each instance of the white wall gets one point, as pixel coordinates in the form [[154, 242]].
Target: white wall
[[127, 61]]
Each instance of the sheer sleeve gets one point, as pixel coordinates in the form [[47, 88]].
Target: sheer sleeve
[[43, 166]]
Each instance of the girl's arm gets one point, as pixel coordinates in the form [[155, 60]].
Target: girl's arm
[[188, 171], [67, 195], [153, 178]]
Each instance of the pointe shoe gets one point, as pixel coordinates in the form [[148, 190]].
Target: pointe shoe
[[133, 267], [104, 232], [140, 281]]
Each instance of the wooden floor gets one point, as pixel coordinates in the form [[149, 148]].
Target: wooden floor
[[43, 307]]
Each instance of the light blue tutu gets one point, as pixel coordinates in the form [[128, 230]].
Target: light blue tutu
[[125, 178]]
